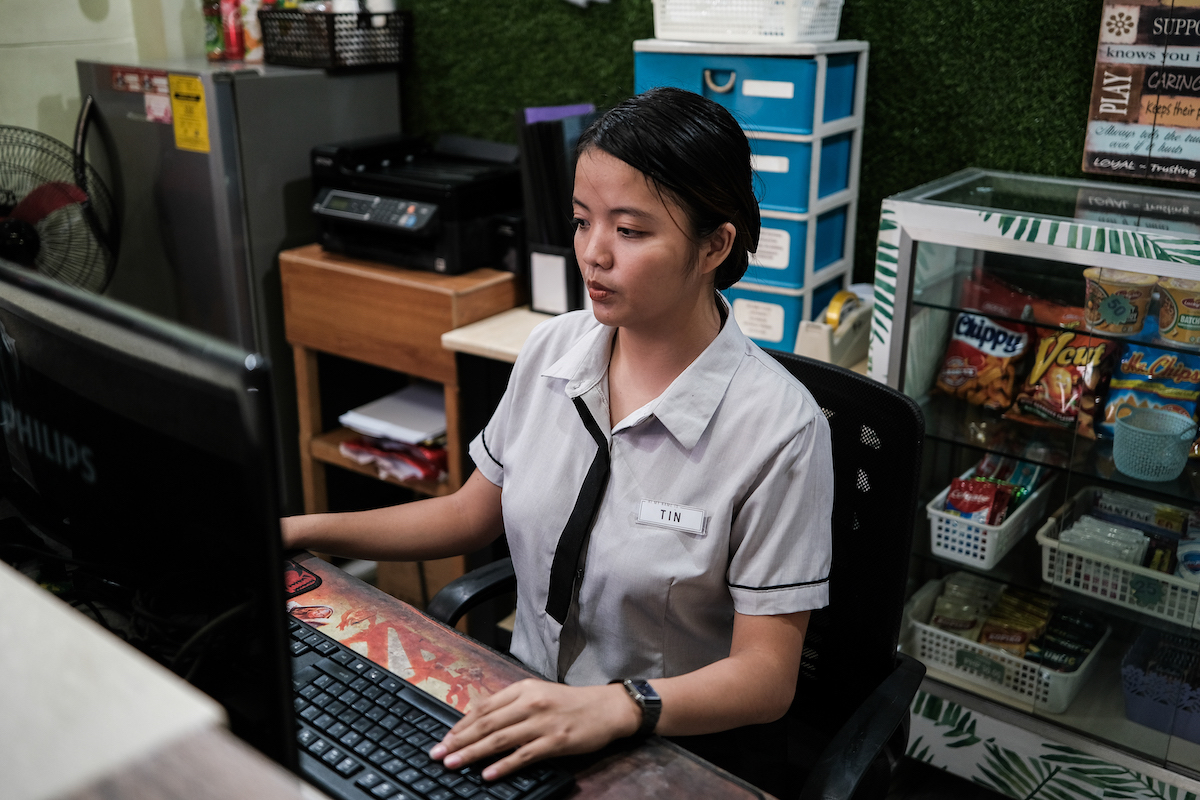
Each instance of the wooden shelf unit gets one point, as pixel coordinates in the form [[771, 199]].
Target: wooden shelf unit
[[387, 317]]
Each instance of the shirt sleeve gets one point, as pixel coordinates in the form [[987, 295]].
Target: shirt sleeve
[[780, 542], [487, 449]]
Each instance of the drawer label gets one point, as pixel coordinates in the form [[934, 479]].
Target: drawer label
[[780, 90], [774, 249], [762, 321], [979, 664], [761, 163]]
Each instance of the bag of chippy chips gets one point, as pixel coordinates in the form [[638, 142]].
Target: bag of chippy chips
[[980, 360], [1067, 374], [1147, 377]]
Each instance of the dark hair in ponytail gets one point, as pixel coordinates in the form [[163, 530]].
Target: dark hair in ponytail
[[693, 150]]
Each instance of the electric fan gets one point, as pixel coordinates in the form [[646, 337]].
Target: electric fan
[[56, 215]]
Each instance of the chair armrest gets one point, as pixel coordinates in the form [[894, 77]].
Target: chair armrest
[[862, 739], [478, 586]]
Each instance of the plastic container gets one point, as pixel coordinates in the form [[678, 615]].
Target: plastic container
[[1147, 591], [958, 539], [783, 242], [747, 20], [1179, 311], [783, 168], [773, 94], [1002, 672], [1163, 702], [333, 40], [771, 316], [1152, 444]]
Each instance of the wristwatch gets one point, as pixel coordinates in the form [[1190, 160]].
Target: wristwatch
[[648, 701]]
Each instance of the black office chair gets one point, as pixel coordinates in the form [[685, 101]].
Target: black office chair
[[848, 726]]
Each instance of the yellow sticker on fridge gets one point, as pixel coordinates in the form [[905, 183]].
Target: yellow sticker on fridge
[[190, 113]]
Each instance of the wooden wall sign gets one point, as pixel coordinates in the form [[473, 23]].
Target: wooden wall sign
[[1144, 120]]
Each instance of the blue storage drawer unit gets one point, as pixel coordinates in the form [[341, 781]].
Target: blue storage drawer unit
[[783, 170], [781, 248], [764, 93]]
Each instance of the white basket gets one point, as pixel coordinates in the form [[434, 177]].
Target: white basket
[[747, 20], [982, 546], [1145, 590], [1022, 681]]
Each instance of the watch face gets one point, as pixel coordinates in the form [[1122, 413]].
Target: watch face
[[645, 689]]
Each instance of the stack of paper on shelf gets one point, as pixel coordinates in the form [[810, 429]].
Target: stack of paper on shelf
[[414, 414]]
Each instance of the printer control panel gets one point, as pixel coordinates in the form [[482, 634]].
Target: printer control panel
[[391, 212]]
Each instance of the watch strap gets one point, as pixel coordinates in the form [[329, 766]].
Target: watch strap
[[648, 701]]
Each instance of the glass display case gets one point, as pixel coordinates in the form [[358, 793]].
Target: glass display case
[[1050, 331]]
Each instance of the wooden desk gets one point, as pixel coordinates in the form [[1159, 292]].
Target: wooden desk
[[459, 671], [388, 317]]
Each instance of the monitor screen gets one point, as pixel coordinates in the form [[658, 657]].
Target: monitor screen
[[139, 455]]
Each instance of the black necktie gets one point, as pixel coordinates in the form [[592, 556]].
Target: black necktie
[[566, 557]]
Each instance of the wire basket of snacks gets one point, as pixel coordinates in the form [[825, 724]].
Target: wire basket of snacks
[[300, 38], [747, 20], [978, 518], [1125, 550], [1022, 645], [1152, 444], [1160, 681]]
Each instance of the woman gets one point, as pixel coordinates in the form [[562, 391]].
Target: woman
[[697, 470]]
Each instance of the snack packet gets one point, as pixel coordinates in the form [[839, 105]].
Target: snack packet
[[981, 501], [1068, 374], [980, 360], [1148, 377]]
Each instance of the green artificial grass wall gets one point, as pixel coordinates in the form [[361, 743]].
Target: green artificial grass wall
[[951, 83]]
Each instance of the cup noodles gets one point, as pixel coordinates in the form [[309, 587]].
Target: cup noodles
[[1179, 310], [1117, 300]]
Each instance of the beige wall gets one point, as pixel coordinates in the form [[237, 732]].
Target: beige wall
[[41, 39]]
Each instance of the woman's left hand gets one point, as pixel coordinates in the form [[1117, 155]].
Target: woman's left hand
[[538, 719]]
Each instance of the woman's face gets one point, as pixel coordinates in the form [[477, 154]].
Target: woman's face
[[641, 269]]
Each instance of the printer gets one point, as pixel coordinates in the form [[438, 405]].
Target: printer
[[450, 207]]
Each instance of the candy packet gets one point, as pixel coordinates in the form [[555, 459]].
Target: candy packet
[[980, 501]]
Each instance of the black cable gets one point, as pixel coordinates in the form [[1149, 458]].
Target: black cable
[[205, 631]]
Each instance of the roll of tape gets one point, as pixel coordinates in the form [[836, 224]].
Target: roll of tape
[[842, 304]]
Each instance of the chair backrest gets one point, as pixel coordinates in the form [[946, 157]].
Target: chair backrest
[[877, 435]]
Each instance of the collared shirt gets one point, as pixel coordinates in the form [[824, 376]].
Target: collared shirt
[[734, 437]]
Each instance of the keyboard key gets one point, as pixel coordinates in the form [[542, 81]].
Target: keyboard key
[[379, 756], [336, 707], [306, 736], [323, 680], [350, 739], [336, 688], [467, 789], [299, 704], [390, 741], [325, 647], [451, 779], [310, 691], [337, 729], [359, 683], [523, 782], [418, 760], [503, 791], [318, 747], [386, 700], [392, 685], [368, 780], [414, 716], [405, 751], [428, 724], [426, 785], [359, 666], [394, 766], [298, 648], [404, 729], [342, 657], [434, 769], [349, 697], [384, 789], [374, 675], [333, 756], [364, 748], [349, 716], [375, 733], [389, 721], [322, 699], [311, 713], [441, 793], [372, 692], [362, 705], [362, 724], [408, 776], [348, 766], [375, 713]]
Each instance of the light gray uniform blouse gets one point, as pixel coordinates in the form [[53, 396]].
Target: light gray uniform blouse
[[719, 500]]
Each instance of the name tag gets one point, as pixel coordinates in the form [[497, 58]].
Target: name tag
[[669, 515]]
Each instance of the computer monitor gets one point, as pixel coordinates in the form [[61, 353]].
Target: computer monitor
[[140, 453]]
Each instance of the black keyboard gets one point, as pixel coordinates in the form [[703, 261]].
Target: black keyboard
[[364, 732]]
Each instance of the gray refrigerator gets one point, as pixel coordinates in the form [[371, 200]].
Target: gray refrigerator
[[209, 164]]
